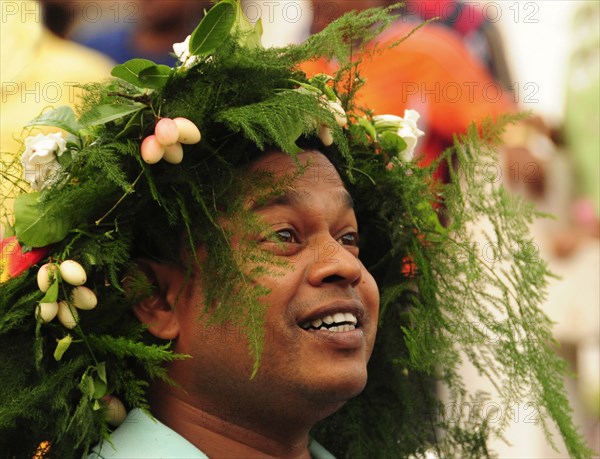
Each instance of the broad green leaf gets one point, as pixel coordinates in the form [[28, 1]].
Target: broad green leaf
[[101, 370], [51, 294], [130, 70], [155, 77], [213, 29], [37, 228], [250, 36], [66, 158], [99, 389], [392, 142], [61, 117], [258, 33], [88, 383], [102, 114], [62, 346], [368, 127]]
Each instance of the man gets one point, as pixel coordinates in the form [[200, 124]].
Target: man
[[306, 374], [212, 280]]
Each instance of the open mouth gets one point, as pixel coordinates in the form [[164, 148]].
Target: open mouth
[[338, 322]]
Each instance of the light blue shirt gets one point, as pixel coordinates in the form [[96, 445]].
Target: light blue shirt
[[141, 437]]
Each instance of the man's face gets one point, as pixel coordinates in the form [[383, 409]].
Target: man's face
[[322, 309]]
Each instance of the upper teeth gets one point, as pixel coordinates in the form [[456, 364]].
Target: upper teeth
[[340, 321]]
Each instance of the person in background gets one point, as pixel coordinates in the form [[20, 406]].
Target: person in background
[[580, 136], [435, 73], [150, 35], [39, 69], [59, 16], [471, 23], [432, 72]]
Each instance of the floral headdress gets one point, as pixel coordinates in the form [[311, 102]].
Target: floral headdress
[[148, 165]]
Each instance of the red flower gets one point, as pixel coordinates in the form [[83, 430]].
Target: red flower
[[13, 261], [409, 268]]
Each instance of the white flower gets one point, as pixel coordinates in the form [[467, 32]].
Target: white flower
[[403, 127], [182, 51], [40, 158]]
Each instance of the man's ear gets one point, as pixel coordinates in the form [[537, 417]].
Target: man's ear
[[157, 310]]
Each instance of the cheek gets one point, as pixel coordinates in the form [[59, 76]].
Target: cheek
[[370, 293], [283, 283]]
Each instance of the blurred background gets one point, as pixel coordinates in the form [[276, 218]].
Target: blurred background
[[544, 55]]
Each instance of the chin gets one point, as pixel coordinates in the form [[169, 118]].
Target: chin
[[337, 396], [340, 386]]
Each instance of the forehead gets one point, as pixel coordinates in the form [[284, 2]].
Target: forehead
[[309, 167]]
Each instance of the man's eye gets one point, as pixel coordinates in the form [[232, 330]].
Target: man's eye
[[350, 239], [286, 236]]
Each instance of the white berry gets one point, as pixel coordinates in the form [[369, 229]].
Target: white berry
[[326, 135], [72, 272], [67, 315], [44, 275], [188, 131], [174, 153], [115, 412], [83, 298], [46, 311]]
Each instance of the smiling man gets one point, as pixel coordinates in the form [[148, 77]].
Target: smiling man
[[321, 320], [198, 265]]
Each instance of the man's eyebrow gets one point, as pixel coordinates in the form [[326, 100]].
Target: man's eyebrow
[[293, 198]]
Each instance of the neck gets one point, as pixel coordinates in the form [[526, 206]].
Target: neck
[[228, 433]]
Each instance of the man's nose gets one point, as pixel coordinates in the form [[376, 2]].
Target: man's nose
[[332, 263]]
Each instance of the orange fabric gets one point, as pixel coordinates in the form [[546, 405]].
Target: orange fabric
[[433, 73]]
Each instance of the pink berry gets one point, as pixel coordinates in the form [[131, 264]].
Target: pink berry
[[152, 150], [166, 131]]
